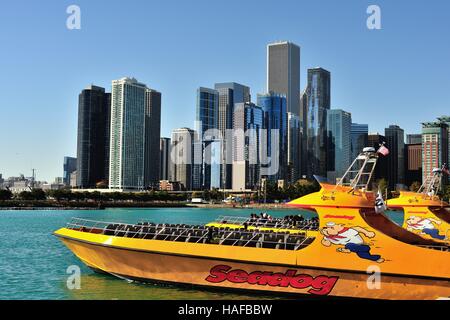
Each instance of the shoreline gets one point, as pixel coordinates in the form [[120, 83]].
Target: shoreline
[[103, 206]]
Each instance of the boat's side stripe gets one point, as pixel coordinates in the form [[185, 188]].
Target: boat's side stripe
[[245, 261]]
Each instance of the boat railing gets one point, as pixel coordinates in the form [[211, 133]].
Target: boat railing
[[196, 234], [275, 223]]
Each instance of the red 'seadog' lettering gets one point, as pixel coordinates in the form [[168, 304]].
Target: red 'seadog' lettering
[[320, 285]]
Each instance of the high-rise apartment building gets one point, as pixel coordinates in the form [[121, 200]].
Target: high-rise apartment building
[[339, 123], [94, 107], [317, 101], [435, 147], [135, 134], [283, 73]]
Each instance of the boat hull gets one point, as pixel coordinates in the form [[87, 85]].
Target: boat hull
[[257, 277]]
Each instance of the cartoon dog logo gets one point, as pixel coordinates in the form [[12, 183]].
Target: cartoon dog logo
[[425, 226], [351, 240]]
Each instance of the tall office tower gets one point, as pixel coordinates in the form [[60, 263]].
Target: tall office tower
[[339, 123], [207, 116], [94, 108], [135, 134], [414, 138], [275, 122], [182, 156], [435, 147], [247, 122], [283, 73], [359, 138], [164, 156], [317, 102], [374, 140], [70, 166], [413, 170], [152, 136], [395, 141], [229, 94], [294, 147]]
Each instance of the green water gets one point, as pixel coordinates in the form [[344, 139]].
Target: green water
[[33, 262]]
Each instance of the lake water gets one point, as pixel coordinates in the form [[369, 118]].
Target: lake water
[[33, 262]]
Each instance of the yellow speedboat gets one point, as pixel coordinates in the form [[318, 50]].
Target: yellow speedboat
[[356, 253], [424, 212]]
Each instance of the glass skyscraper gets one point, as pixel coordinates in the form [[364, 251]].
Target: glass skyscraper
[[134, 151], [70, 166], [283, 73], [294, 149], [395, 161], [273, 106], [207, 116], [247, 122], [359, 136], [94, 107], [317, 103], [339, 143], [164, 157]]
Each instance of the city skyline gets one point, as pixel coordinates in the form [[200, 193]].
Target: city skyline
[[365, 66]]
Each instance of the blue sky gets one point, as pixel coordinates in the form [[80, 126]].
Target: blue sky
[[397, 75]]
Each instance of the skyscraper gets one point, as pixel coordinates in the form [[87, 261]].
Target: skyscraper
[[70, 166], [94, 107], [359, 138], [435, 147], [247, 122], [414, 138], [413, 170], [230, 93], [395, 161], [317, 102], [294, 147], [207, 116], [152, 136], [273, 106], [339, 124], [283, 73], [134, 151], [374, 140], [164, 156], [182, 156]]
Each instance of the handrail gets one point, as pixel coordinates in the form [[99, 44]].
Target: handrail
[[167, 232]]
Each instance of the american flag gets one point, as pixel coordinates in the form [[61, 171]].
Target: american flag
[[445, 170], [383, 150]]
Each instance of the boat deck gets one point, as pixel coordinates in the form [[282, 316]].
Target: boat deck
[[270, 239]]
